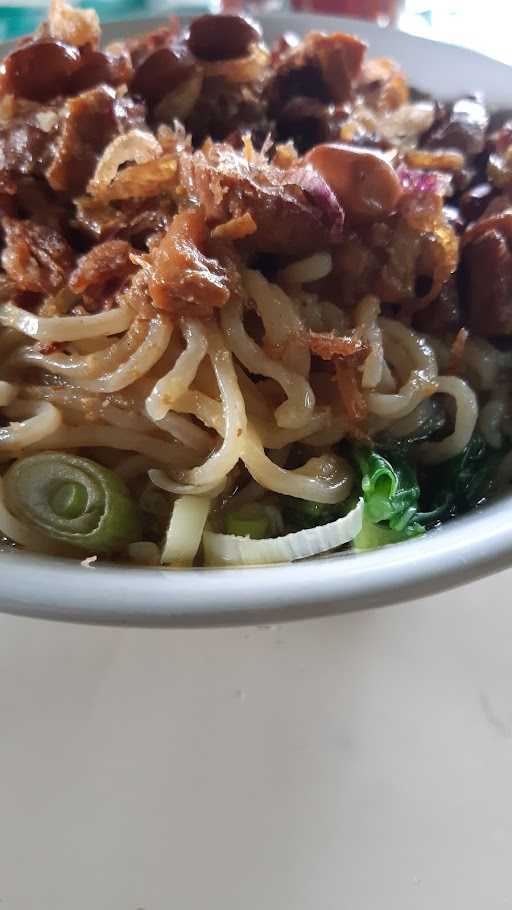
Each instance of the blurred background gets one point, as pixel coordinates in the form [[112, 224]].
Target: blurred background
[[484, 27]]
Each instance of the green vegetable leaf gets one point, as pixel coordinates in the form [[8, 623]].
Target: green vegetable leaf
[[372, 535], [391, 494], [458, 485], [390, 489]]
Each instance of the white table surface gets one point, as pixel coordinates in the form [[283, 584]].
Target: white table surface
[[356, 763]]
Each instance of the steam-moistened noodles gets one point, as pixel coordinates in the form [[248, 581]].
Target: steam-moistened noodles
[[255, 303]]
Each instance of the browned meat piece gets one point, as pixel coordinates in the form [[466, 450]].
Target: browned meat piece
[[7, 205], [444, 315], [141, 46], [487, 277], [27, 135], [474, 201], [36, 202], [463, 129], [182, 277], [112, 67], [89, 124], [305, 120], [222, 37], [309, 122], [324, 67], [97, 218], [161, 71], [198, 80], [363, 181], [39, 71], [223, 108], [35, 256], [98, 273], [45, 69], [145, 218], [295, 212], [90, 121], [24, 149], [406, 258], [133, 219], [382, 84]]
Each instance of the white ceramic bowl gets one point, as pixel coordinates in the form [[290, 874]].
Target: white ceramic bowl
[[461, 551]]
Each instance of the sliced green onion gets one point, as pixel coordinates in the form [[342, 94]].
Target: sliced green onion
[[185, 530], [250, 520], [74, 500], [232, 550]]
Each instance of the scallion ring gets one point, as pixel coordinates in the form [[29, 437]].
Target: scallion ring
[[74, 500]]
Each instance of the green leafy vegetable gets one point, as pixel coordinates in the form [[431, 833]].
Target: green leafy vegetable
[[458, 485], [391, 494], [372, 535], [390, 489], [74, 500]]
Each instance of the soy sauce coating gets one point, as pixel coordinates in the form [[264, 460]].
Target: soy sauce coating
[[364, 182], [39, 71], [162, 71], [222, 37]]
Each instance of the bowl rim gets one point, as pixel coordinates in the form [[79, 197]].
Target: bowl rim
[[456, 553], [461, 551]]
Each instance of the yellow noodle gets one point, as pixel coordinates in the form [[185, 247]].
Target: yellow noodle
[[221, 461], [300, 396], [465, 420], [37, 422], [186, 432], [366, 318], [144, 357], [205, 409], [283, 327], [133, 466], [329, 489], [492, 416], [127, 420], [8, 392], [65, 328], [304, 271], [274, 437], [483, 362], [404, 345], [172, 454], [179, 378], [92, 365]]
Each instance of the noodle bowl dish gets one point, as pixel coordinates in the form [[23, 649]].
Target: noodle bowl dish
[[255, 310]]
